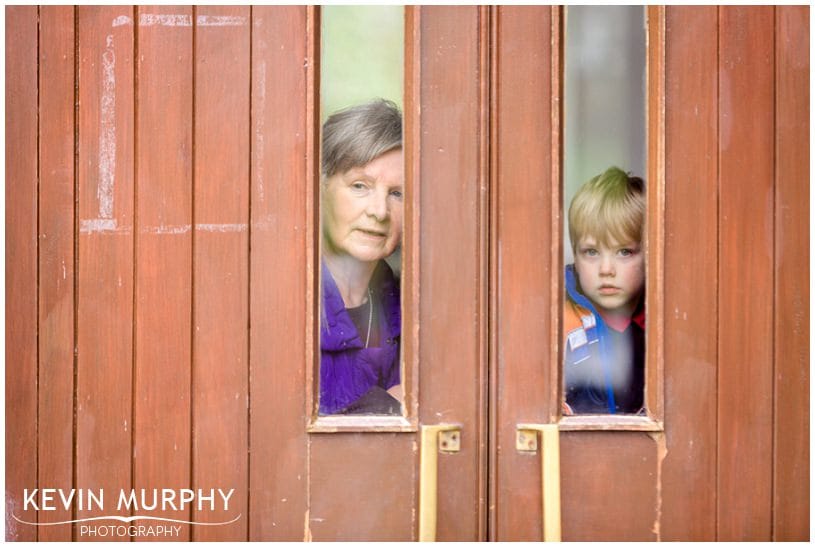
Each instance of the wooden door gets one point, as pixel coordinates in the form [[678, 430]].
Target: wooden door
[[162, 273], [723, 452]]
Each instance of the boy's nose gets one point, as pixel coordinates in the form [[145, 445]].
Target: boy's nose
[[607, 266]]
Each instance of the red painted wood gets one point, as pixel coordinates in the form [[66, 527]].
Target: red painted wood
[[522, 102], [791, 477], [221, 261], [163, 273], [21, 268], [691, 284], [453, 247], [360, 487], [278, 475], [105, 271], [745, 319], [56, 262], [607, 486]]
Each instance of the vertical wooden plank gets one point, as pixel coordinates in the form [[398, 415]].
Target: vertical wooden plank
[[791, 314], [221, 260], [21, 267], [607, 486], [360, 487], [163, 252], [746, 143], [691, 120], [278, 474], [105, 271], [453, 228], [523, 198], [56, 262]]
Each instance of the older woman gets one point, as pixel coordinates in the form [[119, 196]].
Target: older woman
[[361, 194]]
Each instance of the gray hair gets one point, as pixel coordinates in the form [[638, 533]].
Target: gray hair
[[354, 136]]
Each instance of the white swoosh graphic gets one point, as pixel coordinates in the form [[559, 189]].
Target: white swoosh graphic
[[126, 519]]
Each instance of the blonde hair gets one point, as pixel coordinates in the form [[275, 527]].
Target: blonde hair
[[609, 207]]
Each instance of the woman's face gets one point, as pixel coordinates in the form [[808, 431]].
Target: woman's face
[[362, 209]]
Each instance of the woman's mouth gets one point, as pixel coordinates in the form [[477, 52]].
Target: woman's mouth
[[373, 234]]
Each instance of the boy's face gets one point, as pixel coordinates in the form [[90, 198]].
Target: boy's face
[[612, 277]]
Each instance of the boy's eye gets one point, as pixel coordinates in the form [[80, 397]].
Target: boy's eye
[[590, 252], [627, 252]]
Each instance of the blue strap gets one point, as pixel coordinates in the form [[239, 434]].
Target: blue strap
[[602, 333]]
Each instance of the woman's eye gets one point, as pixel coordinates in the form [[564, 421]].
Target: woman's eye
[[359, 186], [397, 194]]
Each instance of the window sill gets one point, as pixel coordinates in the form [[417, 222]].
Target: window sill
[[600, 422], [376, 424]]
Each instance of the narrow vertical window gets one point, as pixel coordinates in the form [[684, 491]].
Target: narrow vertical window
[[361, 211], [604, 210]]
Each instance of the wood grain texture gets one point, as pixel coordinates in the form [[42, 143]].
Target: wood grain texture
[[56, 262], [522, 116], [105, 270], [278, 458], [359, 487], [746, 234], [21, 267], [616, 500], [791, 314], [221, 267], [453, 240], [689, 468], [164, 158]]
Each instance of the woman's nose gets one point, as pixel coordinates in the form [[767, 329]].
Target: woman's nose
[[377, 206]]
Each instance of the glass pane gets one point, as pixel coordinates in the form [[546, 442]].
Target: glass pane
[[361, 205], [604, 197]]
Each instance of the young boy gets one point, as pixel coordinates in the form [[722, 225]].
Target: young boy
[[604, 315]]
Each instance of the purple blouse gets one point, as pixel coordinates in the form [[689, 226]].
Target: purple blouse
[[348, 370]]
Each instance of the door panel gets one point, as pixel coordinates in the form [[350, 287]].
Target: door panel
[[452, 246], [220, 261], [21, 194], [279, 217], [56, 259], [524, 261], [689, 512], [608, 485], [105, 262], [162, 274], [791, 424]]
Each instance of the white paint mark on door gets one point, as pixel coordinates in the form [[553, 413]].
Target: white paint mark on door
[[260, 129], [107, 132], [220, 20], [164, 20], [122, 20]]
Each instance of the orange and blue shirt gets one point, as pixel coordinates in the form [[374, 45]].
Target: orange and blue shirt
[[604, 368]]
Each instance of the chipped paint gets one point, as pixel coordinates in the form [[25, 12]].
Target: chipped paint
[[260, 130], [164, 20], [121, 21], [221, 227], [107, 131], [96, 225], [307, 533], [662, 452], [220, 21]]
